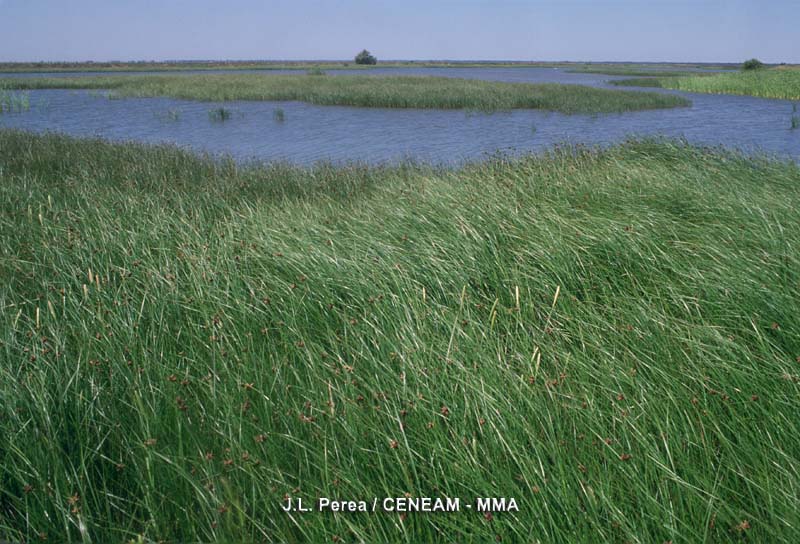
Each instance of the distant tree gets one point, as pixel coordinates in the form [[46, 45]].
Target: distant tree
[[752, 64], [365, 57]]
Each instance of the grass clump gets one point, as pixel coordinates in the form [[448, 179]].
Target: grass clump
[[315, 71], [14, 102], [220, 114], [772, 83], [171, 114], [611, 338], [368, 91], [279, 115]]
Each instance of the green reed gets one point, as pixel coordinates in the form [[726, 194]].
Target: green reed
[[610, 337]]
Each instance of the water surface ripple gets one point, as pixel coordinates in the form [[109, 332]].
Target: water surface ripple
[[311, 133]]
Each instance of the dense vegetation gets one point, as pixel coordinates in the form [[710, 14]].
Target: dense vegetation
[[776, 83], [752, 64], [388, 92], [365, 57], [612, 338]]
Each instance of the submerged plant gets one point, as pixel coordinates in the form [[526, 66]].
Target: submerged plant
[[220, 114], [279, 115], [795, 122], [94, 93], [170, 115]]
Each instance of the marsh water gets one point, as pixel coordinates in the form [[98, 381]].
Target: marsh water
[[305, 133]]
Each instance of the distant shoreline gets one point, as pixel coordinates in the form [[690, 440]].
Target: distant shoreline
[[133, 66]]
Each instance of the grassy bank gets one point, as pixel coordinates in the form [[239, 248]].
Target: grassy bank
[[777, 83], [610, 338], [387, 92]]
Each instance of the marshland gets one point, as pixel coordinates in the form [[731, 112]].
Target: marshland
[[226, 284], [609, 336], [370, 92], [774, 83], [441, 115]]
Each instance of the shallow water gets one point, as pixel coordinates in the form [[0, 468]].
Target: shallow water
[[310, 133]]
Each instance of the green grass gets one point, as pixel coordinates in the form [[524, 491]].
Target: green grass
[[631, 71], [612, 338], [14, 102], [388, 92], [782, 84], [639, 82]]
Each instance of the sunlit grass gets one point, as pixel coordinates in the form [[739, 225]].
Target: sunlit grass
[[612, 338], [14, 102], [367, 91], [782, 84]]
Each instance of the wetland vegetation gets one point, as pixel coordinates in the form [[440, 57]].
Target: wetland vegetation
[[372, 91], [14, 102], [761, 82], [611, 337]]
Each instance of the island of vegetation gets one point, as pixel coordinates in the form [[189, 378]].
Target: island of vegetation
[[373, 91]]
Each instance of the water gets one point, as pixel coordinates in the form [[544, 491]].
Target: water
[[311, 133]]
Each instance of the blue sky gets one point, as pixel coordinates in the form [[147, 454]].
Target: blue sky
[[615, 30]]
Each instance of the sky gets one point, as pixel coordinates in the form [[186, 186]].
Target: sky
[[577, 30]]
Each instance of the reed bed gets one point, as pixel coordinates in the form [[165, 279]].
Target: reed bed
[[610, 337], [773, 83], [367, 91], [14, 102]]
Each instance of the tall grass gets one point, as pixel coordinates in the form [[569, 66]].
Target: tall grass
[[609, 337], [363, 91], [14, 102], [782, 84]]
